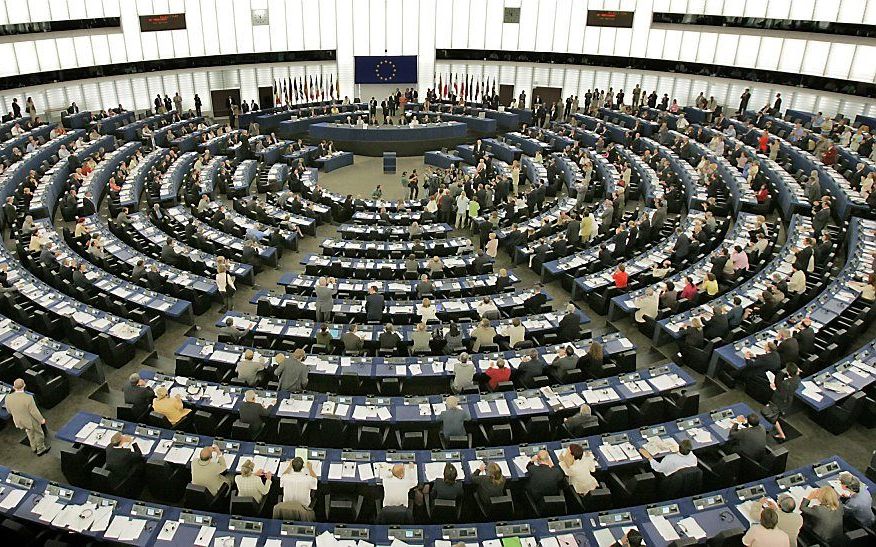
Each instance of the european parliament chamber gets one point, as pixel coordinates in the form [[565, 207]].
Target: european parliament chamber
[[450, 273]]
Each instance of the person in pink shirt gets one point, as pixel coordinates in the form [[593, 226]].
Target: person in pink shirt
[[739, 258]]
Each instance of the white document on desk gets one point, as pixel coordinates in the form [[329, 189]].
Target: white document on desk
[[102, 516], [521, 462], [692, 528], [604, 537], [168, 530], [13, 499], [205, 536], [249, 542], [366, 472], [664, 527]]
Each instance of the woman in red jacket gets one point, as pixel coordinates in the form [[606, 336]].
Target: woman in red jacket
[[620, 276], [763, 142]]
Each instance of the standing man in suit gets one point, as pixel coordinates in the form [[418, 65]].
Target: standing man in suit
[[743, 101], [198, 104], [26, 416], [325, 292], [374, 304]]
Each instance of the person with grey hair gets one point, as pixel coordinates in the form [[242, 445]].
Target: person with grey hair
[[453, 419], [789, 520], [856, 499], [581, 423], [138, 395], [569, 329], [463, 374], [325, 291]]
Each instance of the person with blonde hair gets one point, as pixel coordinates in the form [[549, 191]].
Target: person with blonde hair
[[489, 481], [420, 338], [250, 484], [824, 519], [427, 311], [170, 407], [482, 335], [225, 285]]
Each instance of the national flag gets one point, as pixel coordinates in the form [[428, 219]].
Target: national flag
[[455, 84], [295, 84], [338, 87], [332, 86], [494, 85]]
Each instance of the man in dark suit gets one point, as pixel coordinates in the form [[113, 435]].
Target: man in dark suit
[[573, 231], [718, 326], [582, 423], [545, 479], [605, 257], [478, 150], [9, 212], [79, 279], [138, 394], [801, 258], [620, 242], [570, 325], [719, 261], [805, 336], [534, 303], [757, 366], [480, 263], [682, 246], [374, 304], [788, 347], [748, 441], [823, 249], [253, 413], [121, 460], [531, 366]]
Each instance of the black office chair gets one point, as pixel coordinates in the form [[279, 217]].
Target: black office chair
[[77, 461], [166, 482], [246, 506], [198, 498], [498, 508], [684, 482], [444, 511], [343, 508]]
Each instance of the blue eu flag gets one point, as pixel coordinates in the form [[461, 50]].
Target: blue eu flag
[[383, 69]]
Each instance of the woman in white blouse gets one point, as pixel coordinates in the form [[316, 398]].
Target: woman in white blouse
[[579, 467], [225, 284], [427, 311]]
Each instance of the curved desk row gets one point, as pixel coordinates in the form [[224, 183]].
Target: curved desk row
[[141, 233], [305, 331], [97, 182], [745, 222], [132, 131], [838, 297], [720, 511], [706, 431], [454, 266], [54, 181], [424, 412], [748, 292], [473, 285], [426, 370]]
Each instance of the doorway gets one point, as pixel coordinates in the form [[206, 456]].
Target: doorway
[[549, 95], [506, 94], [220, 101]]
